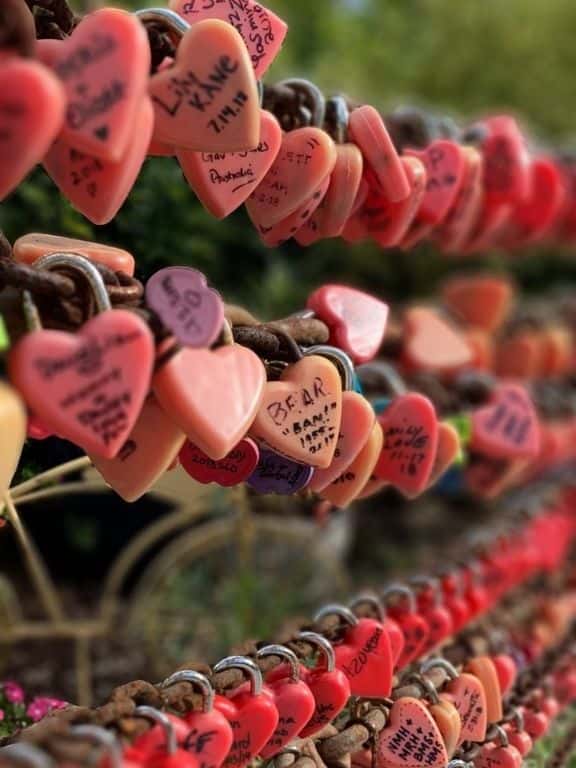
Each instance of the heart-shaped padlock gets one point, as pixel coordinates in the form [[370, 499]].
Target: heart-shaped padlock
[[352, 481], [413, 625], [411, 738], [483, 668], [29, 248], [233, 469], [502, 755], [159, 748]]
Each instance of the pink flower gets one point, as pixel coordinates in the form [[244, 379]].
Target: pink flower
[[13, 692], [41, 706]]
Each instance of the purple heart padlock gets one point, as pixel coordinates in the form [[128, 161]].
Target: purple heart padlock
[[189, 309], [277, 474]]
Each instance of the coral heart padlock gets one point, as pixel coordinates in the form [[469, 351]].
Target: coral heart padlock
[[507, 671], [104, 68], [306, 158], [410, 428], [29, 248], [445, 170], [31, 116], [161, 750], [507, 428], [432, 343], [411, 738], [275, 473], [482, 301], [13, 426], [457, 226], [300, 414], [223, 181], [262, 31], [147, 454], [207, 99], [364, 653], [89, 387], [252, 714], [293, 699], [502, 755], [413, 625], [192, 312], [507, 177], [357, 321], [208, 735], [483, 668], [233, 469], [389, 222], [212, 396], [447, 719], [352, 481], [536, 724]]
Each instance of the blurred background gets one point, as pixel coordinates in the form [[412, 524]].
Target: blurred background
[[463, 59]]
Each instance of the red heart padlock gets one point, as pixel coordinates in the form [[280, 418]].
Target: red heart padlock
[[493, 756], [438, 617], [411, 738], [413, 625], [232, 470], [445, 171], [536, 723], [391, 627], [209, 735], [293, 698], [364, 654], [454, 601], [251, 713], [158, 748], [507, 671], [507, 177], [519, 739]]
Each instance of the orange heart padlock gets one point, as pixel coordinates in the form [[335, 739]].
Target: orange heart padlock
[[483, 668], [352, 481]]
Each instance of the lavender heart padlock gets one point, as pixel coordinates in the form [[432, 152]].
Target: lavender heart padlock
[[189, 309], [279, 475]]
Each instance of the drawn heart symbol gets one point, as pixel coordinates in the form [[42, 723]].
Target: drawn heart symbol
[[482, 301], [432, 343], [492, 756], [411, 738], [350, 483], [212, 396], [97, 187], [191, 311], [365, 657], [335, 209], [457, 227], [445, 171], [389, 222], [262, 31], [277, 474], [253, 719], [89, 387], [29, 248], [296, 705], [366, 128], [218, 110], [300, 415], [483, 668], [306, 158], [291, 225], [355, 429], [147, 454], [449, 724], [357, 321], [104, 68], [508, 427], [232, 470], [410, 428], [519, 739], [209, 737], [13, 421], [31, 115], [223, 181], [468, 696], [507, 671]]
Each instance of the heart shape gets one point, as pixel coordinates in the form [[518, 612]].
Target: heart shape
[[519, 739], [31, 115], [365, 657], [212, 396], [432, 343], [367, 129], [410, 428], [192, 312], [232, 470], [416, 631], [448, 451], [536, 724], [300, 414], [483, 668], [29, 248], [13, 420], [89, 387], [262, 31], [331, 691], [440, 625], [507, 671], [468, 696], [449, 724], [411, 738], [482, 301], [506, 178], [329, 219], [458, 224], [508, 427], [532, 218], [492, 756], [209, 737], [103, 67], [207, 100], [147, 454], [253, 719], [445, 165], [97, 187], [277, 474], [357, 320], [296, 705], [355, 429], [306, 158], [223, 181], [389, 222], [153, 741], [351, 482]]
